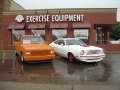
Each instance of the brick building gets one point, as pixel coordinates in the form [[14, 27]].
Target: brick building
[[93, 25], [6, 5]]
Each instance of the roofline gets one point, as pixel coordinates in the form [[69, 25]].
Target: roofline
[[62, 10], [18, 5]]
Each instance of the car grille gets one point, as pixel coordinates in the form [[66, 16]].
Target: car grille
[[93, 52], [40, 53]]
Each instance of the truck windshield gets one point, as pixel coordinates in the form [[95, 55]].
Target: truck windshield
[[32, 40]]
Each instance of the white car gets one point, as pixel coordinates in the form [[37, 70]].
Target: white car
[[115, 42], [73, 48]]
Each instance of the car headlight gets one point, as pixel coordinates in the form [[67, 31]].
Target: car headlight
[[27, 52], [52, 51], [82, 52]]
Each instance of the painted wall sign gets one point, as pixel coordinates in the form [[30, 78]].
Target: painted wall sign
[[48, 18]]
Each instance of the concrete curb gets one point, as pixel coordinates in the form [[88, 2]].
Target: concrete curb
[[31, 86], [7, 51]]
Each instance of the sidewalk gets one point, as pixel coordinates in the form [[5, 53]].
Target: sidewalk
[[7, 51], [30, 86]]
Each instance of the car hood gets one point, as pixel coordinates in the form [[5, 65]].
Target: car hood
[[78, 47], [36, 47]]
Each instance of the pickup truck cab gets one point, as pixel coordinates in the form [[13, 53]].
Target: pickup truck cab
[[33, 48]]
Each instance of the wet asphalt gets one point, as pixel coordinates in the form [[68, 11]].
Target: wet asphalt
[[60, 71]]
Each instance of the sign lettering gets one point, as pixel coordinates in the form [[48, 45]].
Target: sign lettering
[[53, 18]]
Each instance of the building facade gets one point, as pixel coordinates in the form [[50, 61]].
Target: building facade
[[92, 25], [6, 5], [15, 6]]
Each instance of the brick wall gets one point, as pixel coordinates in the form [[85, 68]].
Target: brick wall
[[1, 10], [4, 6]]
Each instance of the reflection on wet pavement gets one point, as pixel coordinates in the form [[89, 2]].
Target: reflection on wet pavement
[[61, 71]]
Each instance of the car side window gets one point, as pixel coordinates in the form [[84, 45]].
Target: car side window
[[61, 42], [56, 41]]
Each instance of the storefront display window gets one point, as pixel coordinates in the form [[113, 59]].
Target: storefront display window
[[82, 34], [16, 34], [39, 32], [101, 35], [59, 33]]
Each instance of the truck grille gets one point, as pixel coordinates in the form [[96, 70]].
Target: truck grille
[[39, 53]]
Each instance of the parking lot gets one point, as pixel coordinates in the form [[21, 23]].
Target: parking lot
[[60, 71]]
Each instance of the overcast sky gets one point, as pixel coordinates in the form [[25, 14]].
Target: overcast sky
[[51, 4]]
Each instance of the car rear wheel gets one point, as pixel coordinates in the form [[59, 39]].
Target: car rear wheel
[[71, 57]]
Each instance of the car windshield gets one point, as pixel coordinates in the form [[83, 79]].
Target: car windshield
[[32, 40], [75, 42]]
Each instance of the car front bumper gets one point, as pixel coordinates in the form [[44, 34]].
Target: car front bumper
[[39, 58], [91, 58]]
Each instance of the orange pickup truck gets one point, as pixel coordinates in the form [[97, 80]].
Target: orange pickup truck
[[33, 48]]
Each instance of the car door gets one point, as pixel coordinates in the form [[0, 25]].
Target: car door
[[62, 48]]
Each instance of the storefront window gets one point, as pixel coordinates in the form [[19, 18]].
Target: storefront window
[[101, 35], [59, 33], [39, 32], [16, 34], [82, 34]]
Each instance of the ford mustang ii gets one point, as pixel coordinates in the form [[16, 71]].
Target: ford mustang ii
[[76, 49], [33, 48]]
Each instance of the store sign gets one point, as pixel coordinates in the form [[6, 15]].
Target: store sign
[[19, 18], [53, 18]]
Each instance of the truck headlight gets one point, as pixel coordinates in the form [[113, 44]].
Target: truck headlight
[[52, 51], [27, 52], [82, 52]]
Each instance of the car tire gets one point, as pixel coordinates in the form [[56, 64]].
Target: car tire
[[71, 57], [51, 61], [22, 58], [16, 53]]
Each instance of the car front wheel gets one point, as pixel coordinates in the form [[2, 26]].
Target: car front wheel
[[71, 57], [22, 58]]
